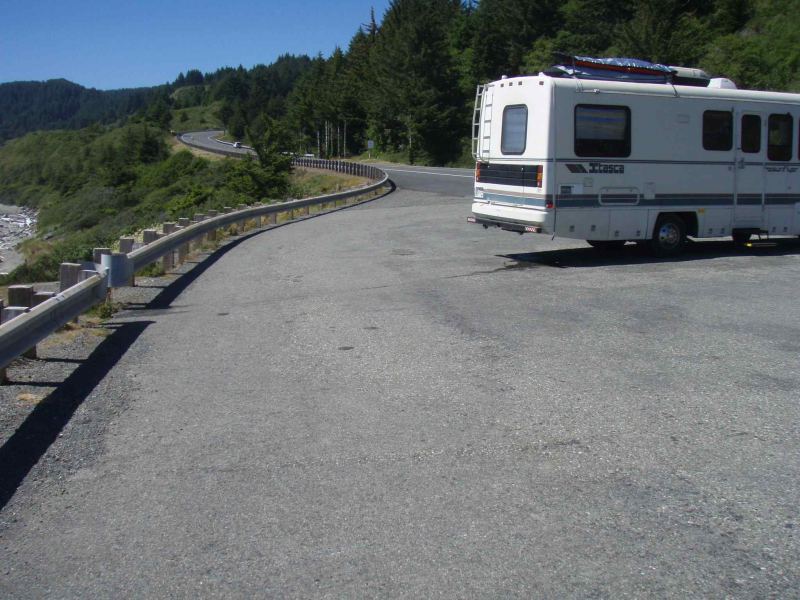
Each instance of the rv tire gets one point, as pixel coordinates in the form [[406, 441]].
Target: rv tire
[[669, 236], [740, 238], [606, 245]]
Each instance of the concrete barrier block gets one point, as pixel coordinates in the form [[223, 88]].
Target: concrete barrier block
[[98, 252], [126, 245], [40, 297], [149, 236], [20, 295], [68, 275]]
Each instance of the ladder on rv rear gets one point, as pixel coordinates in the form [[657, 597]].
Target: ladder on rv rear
[[483, 109]]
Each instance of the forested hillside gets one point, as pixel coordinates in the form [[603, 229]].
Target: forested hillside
[[60, 104], [407, 80]]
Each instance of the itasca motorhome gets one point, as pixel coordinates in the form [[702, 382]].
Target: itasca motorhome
[[616, 150]]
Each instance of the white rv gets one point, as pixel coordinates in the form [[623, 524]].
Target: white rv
[[610, 161]]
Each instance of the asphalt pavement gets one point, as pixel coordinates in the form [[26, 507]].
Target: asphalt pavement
[[387, 401], [210, 140]]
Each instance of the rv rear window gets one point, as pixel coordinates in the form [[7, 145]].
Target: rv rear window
[[717, 130], [779, 137], [515, 129], [602, 130], [751, 134]]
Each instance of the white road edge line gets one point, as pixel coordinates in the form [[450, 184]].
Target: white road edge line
[[388, 170]]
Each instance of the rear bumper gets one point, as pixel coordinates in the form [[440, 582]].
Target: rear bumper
[[512, 218], [517, 227]]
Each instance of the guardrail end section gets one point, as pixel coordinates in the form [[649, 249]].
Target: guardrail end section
[[119, 269]]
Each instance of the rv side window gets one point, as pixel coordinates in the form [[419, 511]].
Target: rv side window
[[515, 129], [779, 137], [602, 130], [751, 134], [717, 130]]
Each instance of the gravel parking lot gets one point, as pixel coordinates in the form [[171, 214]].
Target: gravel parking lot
[[388, 401]]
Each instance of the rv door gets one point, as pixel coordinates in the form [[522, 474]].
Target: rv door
[[749, 181]]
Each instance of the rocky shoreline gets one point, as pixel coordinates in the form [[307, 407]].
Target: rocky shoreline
[[17, 224]]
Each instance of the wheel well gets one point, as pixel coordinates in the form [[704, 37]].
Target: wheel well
[[689, 219]]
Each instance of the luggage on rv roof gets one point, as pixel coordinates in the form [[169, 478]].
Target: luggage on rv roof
[[625, 69]]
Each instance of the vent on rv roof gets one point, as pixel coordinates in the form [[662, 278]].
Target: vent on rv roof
[[689, 76], [722, 83]]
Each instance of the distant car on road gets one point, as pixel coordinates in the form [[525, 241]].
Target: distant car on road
[[237, 144]]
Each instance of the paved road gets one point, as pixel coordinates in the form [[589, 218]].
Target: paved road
[[208, 141], [387, 401]]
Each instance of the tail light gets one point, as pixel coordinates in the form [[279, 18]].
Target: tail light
[[539, 175], [477, 171]]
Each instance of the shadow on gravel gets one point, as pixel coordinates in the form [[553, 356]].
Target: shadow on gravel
[[632, 254], [43, 425]]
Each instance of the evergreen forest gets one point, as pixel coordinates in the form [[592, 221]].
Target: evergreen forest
[[407, 80]]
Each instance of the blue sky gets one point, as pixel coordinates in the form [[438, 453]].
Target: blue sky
[[111, 44]]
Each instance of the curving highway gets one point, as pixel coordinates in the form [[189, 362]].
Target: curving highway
[[208, 140], [387, 401]]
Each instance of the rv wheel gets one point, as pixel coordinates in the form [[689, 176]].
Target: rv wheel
[[606, 245], [669, 236], [740, 238]]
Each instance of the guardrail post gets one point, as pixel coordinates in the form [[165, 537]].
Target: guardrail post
[[227, 210], [68, 275], [149, 236], [258, 219], [272, 219], [168, 260], [240, 225], [183, 250], [211, 236], [197, 242], [126, 245]]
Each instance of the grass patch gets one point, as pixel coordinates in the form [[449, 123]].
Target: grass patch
[[196, 118], [104, 310], [305, 183], [155, 269]]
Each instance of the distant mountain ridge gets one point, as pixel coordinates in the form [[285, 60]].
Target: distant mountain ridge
[[27, 106]]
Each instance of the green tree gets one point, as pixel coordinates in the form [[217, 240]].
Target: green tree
[[415, 101], [663, 31]]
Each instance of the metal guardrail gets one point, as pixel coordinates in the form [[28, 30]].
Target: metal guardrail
[[19, 334], [25, 331]]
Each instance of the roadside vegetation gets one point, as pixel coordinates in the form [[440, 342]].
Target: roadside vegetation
[[94, 185]]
